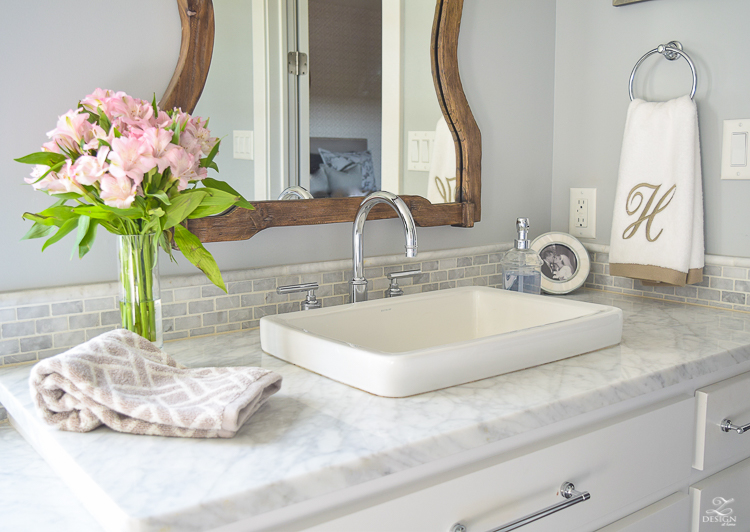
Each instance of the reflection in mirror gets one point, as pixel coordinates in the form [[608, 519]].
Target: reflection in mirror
[[366, 109]]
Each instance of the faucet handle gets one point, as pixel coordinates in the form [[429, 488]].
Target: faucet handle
[[395, 290], [310, 302]]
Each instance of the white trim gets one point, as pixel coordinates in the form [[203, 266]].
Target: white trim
[[303, 95], [391, 145], [260, 100]]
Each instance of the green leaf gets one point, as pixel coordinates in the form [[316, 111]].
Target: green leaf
[[181, 208], [199, 256], [209, 210], [208, 160], [165, 243], [162, 196], [104, 122], [38, 230], [133, 213], [47, 158], [94, 211], [53, 168], [66, 195], [214, 196], [155, 107], [83, 226], [44, 220], [221, 185], [88, 240], [61, 212], [65, 228]]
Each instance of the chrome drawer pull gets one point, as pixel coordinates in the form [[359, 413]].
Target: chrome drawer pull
[[726, 426], [567, 490]]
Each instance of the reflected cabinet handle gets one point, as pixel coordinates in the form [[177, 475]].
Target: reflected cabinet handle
[[567, 490], [726, 426]]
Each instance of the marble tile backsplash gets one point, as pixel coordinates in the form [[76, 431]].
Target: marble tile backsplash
[[725, 285]]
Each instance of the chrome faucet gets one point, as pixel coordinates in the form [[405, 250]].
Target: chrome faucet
[[358, 285], [295, 193]]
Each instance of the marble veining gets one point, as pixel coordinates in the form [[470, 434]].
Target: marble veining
[[317, 436], [32, 496]]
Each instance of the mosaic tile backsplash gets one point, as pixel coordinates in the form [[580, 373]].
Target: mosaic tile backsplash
[[36, 324]]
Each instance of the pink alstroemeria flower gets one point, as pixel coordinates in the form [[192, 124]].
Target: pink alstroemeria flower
[[101, 98], [72, 127], [159, 143], [183, 166], [132, 111], [87, 169], [129, 158], [60, 182], [117, 192], [50, 182]]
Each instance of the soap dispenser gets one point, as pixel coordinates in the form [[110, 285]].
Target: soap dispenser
[[522, 267]]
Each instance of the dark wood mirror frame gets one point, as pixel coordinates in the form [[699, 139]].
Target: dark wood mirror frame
[[197, 17]]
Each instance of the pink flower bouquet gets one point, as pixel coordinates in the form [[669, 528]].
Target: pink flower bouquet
[[134, 169]]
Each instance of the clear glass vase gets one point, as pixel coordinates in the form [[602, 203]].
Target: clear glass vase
[[140, 301]]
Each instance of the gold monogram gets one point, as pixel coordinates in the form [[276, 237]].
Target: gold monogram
[[648, 217], [445, 190]]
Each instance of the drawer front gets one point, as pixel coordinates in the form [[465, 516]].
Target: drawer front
[[672, 513], [617, 462], [722, 500], [729, 399]]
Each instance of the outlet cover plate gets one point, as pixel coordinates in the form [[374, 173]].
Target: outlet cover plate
[[582, 205]]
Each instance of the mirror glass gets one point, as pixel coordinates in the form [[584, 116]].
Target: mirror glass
[[362, 116]]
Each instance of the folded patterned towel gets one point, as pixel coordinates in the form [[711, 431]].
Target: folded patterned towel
[[122, 380]]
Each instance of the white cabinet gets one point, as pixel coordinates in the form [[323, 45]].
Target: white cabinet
[[671, 513], [728, 399], [619, 462], [722, 500]]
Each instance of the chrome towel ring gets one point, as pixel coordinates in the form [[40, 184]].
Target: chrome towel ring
[[672, 50]]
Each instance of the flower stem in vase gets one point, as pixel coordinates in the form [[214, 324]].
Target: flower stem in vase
[[140, 301]]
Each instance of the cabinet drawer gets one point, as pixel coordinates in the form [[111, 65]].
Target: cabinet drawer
[[722, 500], [729, 399], [618, 462], [672, 513]]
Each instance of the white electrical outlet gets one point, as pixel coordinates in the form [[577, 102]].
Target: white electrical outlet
[[582, 223]]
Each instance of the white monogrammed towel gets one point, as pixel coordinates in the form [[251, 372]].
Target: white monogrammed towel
[[441, 179], [657, 225], [125, 382]]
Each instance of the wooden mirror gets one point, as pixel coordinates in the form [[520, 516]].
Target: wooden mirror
[[184, 90]]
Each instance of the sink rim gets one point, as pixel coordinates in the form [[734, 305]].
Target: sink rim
[[390, 374]]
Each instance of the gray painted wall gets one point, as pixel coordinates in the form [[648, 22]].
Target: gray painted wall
[[227, 97], [47, 67], [597, 46]]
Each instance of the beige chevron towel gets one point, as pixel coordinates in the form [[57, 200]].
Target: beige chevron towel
[[125, 382]]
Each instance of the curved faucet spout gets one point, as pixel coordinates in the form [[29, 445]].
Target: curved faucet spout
[[358, 285], [295, 193]]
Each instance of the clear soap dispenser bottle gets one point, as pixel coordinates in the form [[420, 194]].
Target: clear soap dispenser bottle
[[522, 267]]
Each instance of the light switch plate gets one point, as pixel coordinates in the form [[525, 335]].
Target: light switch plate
[[734, 149], [420, 150], [582, 221], [242, 143]]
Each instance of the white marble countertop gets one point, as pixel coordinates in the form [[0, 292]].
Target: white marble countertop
[[317, 436]]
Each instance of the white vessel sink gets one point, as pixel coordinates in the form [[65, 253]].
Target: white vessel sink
[[418, 343]]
